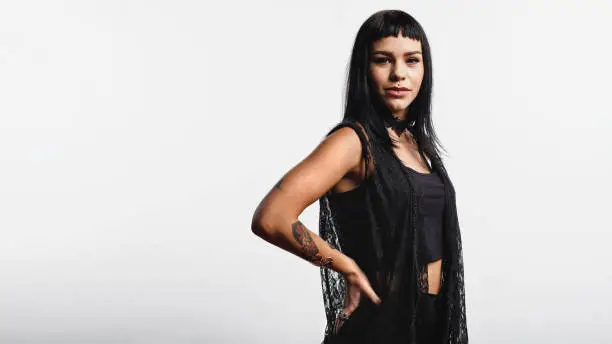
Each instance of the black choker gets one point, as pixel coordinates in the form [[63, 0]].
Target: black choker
[[399, 125]]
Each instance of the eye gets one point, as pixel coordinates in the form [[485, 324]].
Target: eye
[[380, 60], [413, 60]]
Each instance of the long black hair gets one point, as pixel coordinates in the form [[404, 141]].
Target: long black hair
[[362, 103]]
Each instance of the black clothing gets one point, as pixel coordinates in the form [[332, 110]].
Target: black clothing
[[430, 190], [399, 124], [429, 323], [377, 225]]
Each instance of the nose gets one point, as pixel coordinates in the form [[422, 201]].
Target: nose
[[399, 71]]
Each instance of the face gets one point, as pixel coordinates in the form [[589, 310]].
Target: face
[[396, 71]]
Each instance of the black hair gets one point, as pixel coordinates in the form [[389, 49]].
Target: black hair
[[362, 103]]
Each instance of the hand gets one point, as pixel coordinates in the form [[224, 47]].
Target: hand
[[356, 284]]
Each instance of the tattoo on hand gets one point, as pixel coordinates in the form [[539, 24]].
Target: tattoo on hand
[[309, 248]]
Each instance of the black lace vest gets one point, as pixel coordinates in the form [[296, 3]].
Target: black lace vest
[[377, 224]]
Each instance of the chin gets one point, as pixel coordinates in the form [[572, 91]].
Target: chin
[[396, 106]]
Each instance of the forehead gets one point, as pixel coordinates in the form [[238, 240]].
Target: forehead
[[399, 44]]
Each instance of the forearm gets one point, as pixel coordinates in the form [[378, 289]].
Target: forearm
[[293, 236]]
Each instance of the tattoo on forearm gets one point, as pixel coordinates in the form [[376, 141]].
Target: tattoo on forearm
[[310, 251]]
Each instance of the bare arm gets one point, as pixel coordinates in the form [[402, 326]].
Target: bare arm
[[276, 217]]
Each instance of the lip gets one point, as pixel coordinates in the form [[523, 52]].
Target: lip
[[397, 91]]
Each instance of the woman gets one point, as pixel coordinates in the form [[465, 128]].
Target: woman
[[389, 248]]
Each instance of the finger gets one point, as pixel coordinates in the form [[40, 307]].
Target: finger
[[352, 302], [350, 308], [348, 311], [371, 294]]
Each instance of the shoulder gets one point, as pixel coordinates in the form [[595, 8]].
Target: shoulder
[[349, 124], [351, 138], [354, 130], [346, 141]]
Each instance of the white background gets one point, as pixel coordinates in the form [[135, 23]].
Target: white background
[[137, 138]]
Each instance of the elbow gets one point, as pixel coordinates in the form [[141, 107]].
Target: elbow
[[257, 228], [270, 221], [261, 225]]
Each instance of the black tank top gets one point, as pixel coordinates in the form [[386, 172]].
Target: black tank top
[[430, 191]]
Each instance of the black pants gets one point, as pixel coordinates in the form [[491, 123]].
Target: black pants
[[429, 323]]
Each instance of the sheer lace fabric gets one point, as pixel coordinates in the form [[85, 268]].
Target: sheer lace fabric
[[375, 225]]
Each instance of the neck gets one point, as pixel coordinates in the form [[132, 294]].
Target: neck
[[399, 116], [397, 124]]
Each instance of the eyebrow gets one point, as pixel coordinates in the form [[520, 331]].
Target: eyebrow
[[390, 54]]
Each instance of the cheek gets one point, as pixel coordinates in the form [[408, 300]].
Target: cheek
[[378, 78], [417, 80], [420, 76]]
